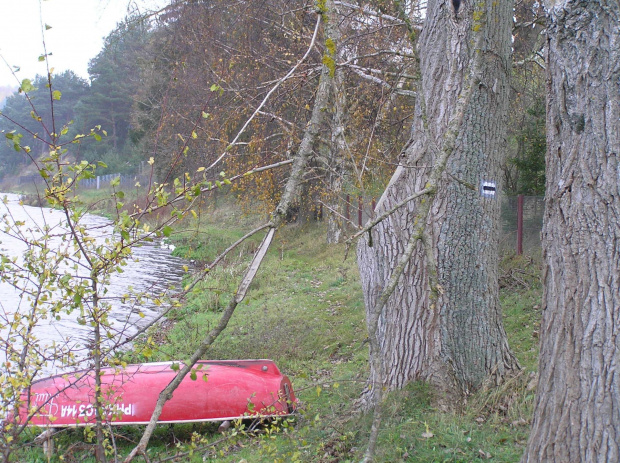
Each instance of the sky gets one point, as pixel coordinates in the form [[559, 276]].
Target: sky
[[78, 28]]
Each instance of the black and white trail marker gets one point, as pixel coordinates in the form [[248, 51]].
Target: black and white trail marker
[[488, 189]]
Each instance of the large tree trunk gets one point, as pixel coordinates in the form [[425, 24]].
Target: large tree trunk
[[577, 414], [450, 335]]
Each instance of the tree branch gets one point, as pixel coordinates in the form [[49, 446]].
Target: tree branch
[[273, 89], [385, 215], [278, 217]]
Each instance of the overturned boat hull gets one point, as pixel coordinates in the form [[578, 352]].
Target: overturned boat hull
[[214, 391]]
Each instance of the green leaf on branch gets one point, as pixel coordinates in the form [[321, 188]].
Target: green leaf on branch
[[26, 86], [167, 231], [56, 94]]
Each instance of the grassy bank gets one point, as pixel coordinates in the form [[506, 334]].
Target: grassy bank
[[305, 311]]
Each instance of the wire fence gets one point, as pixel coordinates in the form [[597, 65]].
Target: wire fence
[[521, 220], [521, 216], [101, 181]]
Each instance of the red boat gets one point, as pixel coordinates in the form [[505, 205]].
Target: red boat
[[214, 391]]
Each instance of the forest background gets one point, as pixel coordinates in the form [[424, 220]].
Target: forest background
[[154, 73]]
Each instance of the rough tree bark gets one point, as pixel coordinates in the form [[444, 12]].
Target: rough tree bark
[[577, 414], [443, 324]]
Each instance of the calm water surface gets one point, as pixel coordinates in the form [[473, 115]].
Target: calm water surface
[[151, 270]]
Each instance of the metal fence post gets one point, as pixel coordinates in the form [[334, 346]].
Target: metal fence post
[[519, 225], [360, 204]]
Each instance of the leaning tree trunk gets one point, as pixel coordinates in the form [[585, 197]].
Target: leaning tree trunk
[[577, 414], [450, 332], [337, 150], [278, 217]]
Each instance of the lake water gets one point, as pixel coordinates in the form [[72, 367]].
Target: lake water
[[152, 270]]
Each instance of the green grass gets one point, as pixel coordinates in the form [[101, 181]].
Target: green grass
[[305, 311]]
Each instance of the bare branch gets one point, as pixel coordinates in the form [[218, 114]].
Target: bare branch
[[299, 163], [273, 89], [166, 394], [537, 58], [379, 71], [368, 12], [385, 215], [362, 72]]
